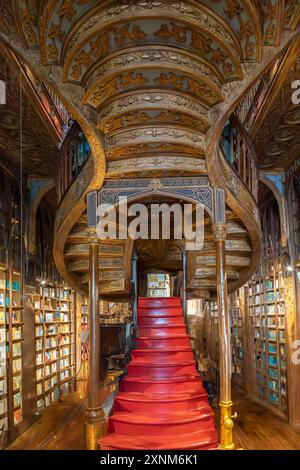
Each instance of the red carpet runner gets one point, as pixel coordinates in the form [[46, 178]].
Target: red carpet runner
[[161, 403]]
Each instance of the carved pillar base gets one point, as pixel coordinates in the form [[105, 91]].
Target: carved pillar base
[[226, 425], [94, 427]]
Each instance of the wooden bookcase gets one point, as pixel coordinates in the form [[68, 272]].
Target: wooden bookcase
[[238, 340], [11, 338], [237, 324], [55, 330], [82, 345], [3, 357], [268, 336]]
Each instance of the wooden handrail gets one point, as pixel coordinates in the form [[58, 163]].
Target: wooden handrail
[[74, 154], [239, 152]]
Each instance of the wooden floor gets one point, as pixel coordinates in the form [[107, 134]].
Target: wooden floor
[[61, 428], [257, 428]]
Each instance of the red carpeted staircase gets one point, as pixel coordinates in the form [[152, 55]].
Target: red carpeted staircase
[[161, 403]]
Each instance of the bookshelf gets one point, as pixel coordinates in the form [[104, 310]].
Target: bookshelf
[[11, 338], [266, 312], [237, 322], [55, 330], [82, 345], [3, 357], [238, 340]]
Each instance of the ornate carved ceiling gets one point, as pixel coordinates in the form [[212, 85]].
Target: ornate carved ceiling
[[147, 73], [276, 131], [39, 145]]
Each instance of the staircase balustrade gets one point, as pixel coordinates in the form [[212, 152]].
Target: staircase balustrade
[[240, 154], [74, 153], [51, 104]]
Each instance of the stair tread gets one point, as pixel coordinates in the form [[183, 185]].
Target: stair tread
[[173, 325], [202, 438], [171, 336], [161, 364], [159, 298], [182, 378], [165, 350], [176, 417], [150, 397]]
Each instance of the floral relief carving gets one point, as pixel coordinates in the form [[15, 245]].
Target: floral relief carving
[[145, 100], [123, 34], [117, 84], [150, 134], [195, 15], [234, 10], [141, 117], [29, 18], [161, 57], [179, 33]]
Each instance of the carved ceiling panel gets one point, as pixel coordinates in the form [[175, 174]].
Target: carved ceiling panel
[[148, 72], [277, 141], [273, 13], [151, 33], [39, 149]]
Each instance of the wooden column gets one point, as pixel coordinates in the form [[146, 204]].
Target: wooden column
[[226, 418], [95, 422]]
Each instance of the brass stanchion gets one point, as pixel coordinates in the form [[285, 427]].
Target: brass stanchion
[[226, 417]]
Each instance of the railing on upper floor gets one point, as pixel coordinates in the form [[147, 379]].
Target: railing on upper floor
[[253, 101], [74, 153], [51, 104], [240, 154]]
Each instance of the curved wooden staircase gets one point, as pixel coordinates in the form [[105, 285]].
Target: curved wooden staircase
[[161, 403]]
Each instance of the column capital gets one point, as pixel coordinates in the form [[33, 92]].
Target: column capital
[[220, 231], [93, 238]]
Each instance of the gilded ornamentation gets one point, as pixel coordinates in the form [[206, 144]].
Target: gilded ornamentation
[[165, 162], [200, 42], [142, 117], [270, 10], [153, 99], [29, 23], [123, 34], [181, 59], [177, 32], [151, 134], [132, 79], [199, 88], [146, 148], [98, 47], [195, 15], [234, 10], [220, 232], [56, 18], [291, 9], [117, 84]]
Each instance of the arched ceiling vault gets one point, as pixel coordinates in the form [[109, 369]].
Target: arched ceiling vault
[[150, 81]]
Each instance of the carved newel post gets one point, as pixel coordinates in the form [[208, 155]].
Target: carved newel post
[[226, 418], [95, 422]]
